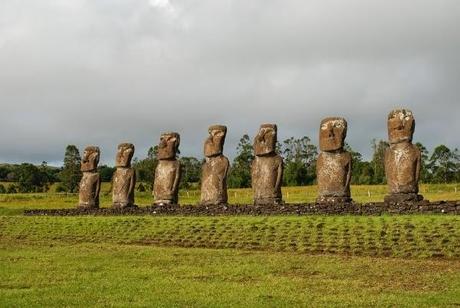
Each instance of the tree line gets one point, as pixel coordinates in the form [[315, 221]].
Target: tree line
[[442, 165]]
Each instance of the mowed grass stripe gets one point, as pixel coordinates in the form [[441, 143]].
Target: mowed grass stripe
[[397, 236]]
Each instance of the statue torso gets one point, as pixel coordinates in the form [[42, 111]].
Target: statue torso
[[165, 176], [332, 173], [89, 186], [401, 166], [214, 180], [265, 175], [123, 185]]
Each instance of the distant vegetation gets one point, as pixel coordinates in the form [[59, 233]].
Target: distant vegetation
[[442, 165]]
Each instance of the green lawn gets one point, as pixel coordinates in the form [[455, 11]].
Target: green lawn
[[286, 261], [133, 275]]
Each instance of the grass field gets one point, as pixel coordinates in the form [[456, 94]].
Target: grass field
[[133, 275], [228, 261]]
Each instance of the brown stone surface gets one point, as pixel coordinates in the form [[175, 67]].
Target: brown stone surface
[[374, 208], [124, 177], [214, 144], [215, 168], [402, 158], [267, 167], [168, 170], [403, 198], [90, 159], [90, 184], [333, 167], [168, 147]]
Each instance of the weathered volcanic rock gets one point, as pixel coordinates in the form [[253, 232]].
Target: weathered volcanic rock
[[267, 167], [423, 207], [90, 184], [215, 168], [124, 177], [402, 158], [168, 170], [333, 167]]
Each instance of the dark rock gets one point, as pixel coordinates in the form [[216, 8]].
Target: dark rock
[[378, 208]]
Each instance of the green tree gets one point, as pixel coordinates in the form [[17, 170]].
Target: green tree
[[4, 170], [378, 161], [12, 189], [51, 172], [299, 160], [70, 175], [362, 172], [444, 164], [240, 171], [424, 170], [145, 168], [32, 179], [191, 171], [106, 173]]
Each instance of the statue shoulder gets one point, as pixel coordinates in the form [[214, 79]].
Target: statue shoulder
[[279, 158], [347, 155], [225, 160]]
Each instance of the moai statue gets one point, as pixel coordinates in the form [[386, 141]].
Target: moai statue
[[402, 158], [215, 168], [333, 167], [168, 171], [267, 167], [90, 184], [124, 178]]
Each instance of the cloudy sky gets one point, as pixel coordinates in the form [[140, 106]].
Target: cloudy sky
[[106, 71]]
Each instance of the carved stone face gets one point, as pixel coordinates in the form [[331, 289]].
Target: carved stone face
[[332, 134], [214, 144], [401, 125], [265, 141], [169, 146], [90, 159], [125, 153]]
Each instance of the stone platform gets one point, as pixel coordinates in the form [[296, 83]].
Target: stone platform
[[378, 208]]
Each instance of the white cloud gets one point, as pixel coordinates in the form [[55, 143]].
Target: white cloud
[[102, 72]]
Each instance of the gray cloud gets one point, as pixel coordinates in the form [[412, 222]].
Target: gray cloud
[[102, 72]]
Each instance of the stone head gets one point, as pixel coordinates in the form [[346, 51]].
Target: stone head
[[90, 159], [214, 144], [125, 153], [401, 125], [169, 146], [332, 133], [265, 141]]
